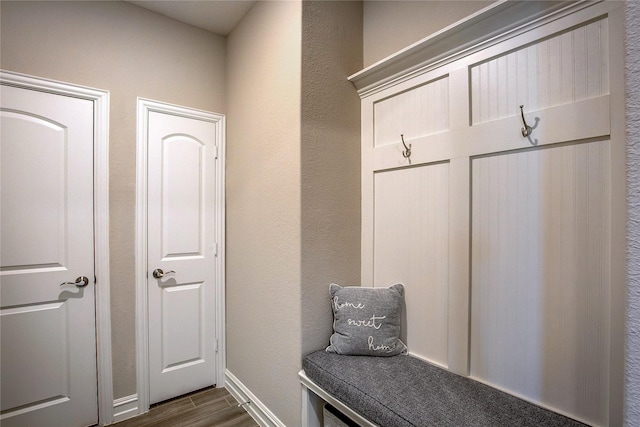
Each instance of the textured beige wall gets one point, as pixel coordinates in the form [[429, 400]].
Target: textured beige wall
[[330, 157], [293, 179], [293, 188], [393, 25], [130, 52], [263, 205], [632, 63]]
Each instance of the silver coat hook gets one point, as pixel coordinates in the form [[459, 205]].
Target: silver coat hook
[[407, 150], [526, 130]]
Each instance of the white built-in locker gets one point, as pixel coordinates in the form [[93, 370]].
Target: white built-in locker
[[508, 244]]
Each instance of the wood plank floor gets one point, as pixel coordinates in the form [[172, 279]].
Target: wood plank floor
[[213, 407]]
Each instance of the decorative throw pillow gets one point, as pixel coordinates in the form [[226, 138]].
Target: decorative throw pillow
[[366, 321]]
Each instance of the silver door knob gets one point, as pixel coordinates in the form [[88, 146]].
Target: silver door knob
[[158, 273], [80, 282]]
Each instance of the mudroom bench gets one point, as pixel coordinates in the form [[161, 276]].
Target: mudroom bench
[[403, 391], [462, 133]]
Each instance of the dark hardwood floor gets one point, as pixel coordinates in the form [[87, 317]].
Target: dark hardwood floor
[[213, 407]]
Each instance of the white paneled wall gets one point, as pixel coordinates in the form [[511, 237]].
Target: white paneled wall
[[416, 113], [540, 275], [566, 68], [411, 234], [508, 245]]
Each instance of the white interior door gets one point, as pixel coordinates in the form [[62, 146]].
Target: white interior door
[[47, 318], [181, 254]]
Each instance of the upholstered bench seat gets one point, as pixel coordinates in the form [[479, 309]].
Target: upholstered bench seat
[[403, 391]]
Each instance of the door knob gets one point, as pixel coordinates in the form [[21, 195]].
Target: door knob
[[158, 273], [80, 282]]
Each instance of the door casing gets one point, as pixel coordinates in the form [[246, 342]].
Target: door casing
[[142, 311], [100, 99]]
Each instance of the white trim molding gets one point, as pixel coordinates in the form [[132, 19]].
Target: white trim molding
[[145, 106], [258, 410], [497, 22], [125, 408], [100, 99]]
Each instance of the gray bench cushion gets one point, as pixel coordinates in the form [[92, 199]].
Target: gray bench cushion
[[402, 391]]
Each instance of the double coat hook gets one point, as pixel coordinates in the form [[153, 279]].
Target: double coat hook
[[407, 150]]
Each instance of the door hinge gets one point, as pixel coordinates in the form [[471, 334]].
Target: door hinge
[[216, 249], [95, 280], [216, 151], [216, 345]]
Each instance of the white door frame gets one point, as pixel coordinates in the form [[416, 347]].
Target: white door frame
[[100, 99], [145, 106]]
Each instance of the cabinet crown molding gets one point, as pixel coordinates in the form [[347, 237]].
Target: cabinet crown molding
[[497, 22]]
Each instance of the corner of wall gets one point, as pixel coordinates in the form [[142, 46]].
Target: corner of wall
[[263, 206], [632, 374], [330, 156]]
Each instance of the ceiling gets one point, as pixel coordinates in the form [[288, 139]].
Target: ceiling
[[216, 16]]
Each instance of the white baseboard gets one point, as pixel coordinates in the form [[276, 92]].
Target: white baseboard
[[125, 408], [258, 411]]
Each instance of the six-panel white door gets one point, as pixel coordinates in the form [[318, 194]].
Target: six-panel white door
[[47, 321], [181, 254]]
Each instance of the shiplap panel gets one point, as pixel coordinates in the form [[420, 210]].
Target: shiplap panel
[[566, 68], [540, 276], [411, 247], [418, 112]]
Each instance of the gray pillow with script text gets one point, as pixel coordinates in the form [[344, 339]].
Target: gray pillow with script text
[[366, 321]]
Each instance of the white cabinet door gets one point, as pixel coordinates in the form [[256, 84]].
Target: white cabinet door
[[181, 244], [48, 360]]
